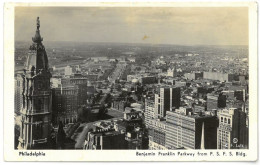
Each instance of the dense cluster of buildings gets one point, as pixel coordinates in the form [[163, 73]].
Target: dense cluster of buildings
[[126, 133], [168, 102]]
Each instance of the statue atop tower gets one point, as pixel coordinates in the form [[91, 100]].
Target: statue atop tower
[[37, 57], [38, 23], [37, 38]]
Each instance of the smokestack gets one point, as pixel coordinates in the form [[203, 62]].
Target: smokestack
[[214, 112]]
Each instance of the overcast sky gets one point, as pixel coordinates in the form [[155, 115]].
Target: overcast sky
[[182, 26]]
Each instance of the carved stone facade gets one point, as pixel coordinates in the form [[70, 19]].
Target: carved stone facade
[[36, 97]]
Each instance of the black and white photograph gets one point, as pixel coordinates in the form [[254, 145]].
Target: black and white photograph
[[136, 78]]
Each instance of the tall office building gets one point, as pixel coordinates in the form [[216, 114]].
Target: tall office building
[[232, 130], [189, 131], [84, 93], [65, 104], [67, 98], [36, 111], [149, 111], [166, 99]]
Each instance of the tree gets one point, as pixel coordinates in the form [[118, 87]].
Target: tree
[[84, 114]]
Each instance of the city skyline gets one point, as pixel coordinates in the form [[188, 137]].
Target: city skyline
[[177, 26]]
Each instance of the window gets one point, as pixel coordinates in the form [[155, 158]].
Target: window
[[225, 120], [228, 121], [38, 130], [221, 119], [23, 101], [39, 105]]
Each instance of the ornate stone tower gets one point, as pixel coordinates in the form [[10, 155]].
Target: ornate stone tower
[[36, 109]]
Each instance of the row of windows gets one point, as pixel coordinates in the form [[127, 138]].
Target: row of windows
[[159, 141], [224, 142], [184, 125], [158, 137], [178, 129], [223, 131], [225, 135], [179, 145], [180, 118], [184, 132], [181, 137], [185, 139], [225, 120]]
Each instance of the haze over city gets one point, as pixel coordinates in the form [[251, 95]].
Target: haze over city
[[169, 25]]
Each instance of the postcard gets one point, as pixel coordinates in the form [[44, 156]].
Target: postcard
[[172, 81]]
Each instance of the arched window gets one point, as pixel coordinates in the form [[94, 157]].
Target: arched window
[[225, 120]]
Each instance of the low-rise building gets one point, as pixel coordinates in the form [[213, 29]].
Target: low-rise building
[[107, 139]]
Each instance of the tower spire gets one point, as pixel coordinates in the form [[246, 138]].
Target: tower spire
[[37, 38], [202, 145]]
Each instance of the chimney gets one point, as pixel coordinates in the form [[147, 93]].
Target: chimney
[[214, 112]]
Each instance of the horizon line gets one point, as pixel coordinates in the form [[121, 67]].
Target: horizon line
[[112, 42]]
